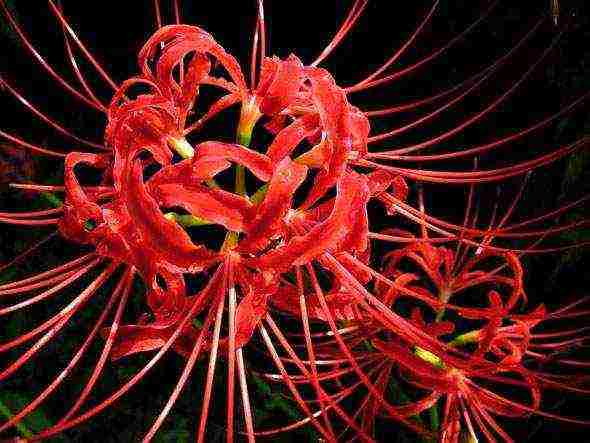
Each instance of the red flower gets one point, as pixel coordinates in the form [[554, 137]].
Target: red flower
[[309, 257]]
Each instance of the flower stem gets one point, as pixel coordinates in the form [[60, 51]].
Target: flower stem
[[186, 220], [240, 180], [434, 418], [248, 118], [258, 196], [463, 339]]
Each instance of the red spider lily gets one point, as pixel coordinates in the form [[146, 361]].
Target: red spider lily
[[501, 350], [501, 356], [281, 251]]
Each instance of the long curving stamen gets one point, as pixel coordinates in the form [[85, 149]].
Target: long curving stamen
[[285, 376], [262, 29], [106, 349], [78, 73], [424, 61], [210, 372], [424, 101], [34, 148], [476, 150], [435, 223], [20, 257], [45, 118], [459, 254], [254, 55], [137, 377], [336, 398], [344, 348], [559, 333], [549, 215], [245, 396], [158, 14], [177, 20], [285, 344], [19, 289], [47, 274], [331, 375], [493, 424], [381, 380], [354, 13], [27, 44], [423, 231], [309, 348], [71, 365], [25, 222], [403, 48], [177, 15], [517, 405], [60, 17], [64, 281], [67, 314], [486, 176], [258, 40], [475, 118], [23, 338], [196, 351], [467, 419], [482, 425], [54, 188], [231, 357], [31, 214]]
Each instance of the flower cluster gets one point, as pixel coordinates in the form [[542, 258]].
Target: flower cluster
[[443, 314]]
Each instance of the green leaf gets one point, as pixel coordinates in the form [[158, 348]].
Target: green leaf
[[36, 421]]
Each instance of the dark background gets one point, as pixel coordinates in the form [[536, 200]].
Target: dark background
[[115, 30]]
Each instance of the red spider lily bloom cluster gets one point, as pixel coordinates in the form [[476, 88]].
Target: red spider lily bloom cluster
[[444, 314]]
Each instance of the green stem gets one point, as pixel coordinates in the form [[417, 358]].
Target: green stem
[[248, 118], [240, 180], [20, 427], [463, 339], [259, 195], [434, 418], [186, 220], [403, 398], [435, 361]]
